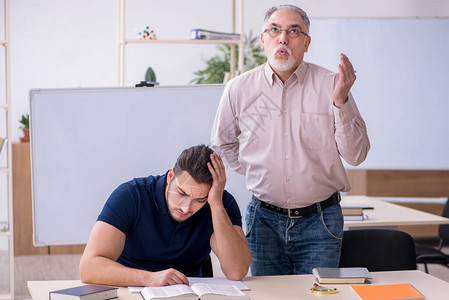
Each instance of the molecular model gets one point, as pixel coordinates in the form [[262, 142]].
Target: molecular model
[[147, 34]]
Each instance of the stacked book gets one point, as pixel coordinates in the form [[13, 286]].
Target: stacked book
[[341, 275], [85, 292], [354, 212], [202, 34]]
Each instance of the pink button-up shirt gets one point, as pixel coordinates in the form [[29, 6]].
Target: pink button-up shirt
[[287, 139]]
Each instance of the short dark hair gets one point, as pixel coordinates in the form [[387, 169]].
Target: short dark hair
[[194, 161]]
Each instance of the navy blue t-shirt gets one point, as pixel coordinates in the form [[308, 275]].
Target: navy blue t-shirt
[[154, 240]]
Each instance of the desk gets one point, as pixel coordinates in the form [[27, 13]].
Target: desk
[[388, 215], [285, 287]]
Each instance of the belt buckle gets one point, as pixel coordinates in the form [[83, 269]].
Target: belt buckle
[[294, 215]]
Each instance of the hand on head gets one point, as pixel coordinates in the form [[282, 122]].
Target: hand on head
[[217, 169]]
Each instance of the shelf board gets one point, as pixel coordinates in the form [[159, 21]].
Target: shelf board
[[5, 233], [5, 295], [5, 170], [5, 106], [3, 42], [182, 42]]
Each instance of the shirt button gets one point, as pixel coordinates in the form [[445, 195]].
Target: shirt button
[[286, 157], [284, 111], [287, 178], [341, 114], [286, 133]]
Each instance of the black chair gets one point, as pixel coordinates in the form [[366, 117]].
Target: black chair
[[378, 250], [206, 268], [430, 255]]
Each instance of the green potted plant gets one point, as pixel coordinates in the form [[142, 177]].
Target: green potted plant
[[150, 75], [25, 121], [218, 65]]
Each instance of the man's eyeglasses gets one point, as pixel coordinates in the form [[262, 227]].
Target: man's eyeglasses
[[294, 32]]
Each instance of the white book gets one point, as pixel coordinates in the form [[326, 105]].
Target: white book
[[196, 291], [360, 217]]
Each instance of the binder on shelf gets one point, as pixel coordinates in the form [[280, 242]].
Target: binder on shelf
[[202, 34]]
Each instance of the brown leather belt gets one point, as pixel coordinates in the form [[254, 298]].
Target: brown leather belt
[[303, 211]]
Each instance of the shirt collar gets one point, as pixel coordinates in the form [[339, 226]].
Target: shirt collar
[[300, 72], [160, 194], [269, 73]]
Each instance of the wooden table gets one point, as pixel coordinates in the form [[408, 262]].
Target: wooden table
[[388, 215], [285, 287]]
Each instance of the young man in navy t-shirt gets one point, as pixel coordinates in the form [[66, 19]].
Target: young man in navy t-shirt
[[155, 231]]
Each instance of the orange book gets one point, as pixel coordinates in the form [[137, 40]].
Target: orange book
[[403, 291]]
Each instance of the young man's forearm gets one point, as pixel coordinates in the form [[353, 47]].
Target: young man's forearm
[[231, 248], [102, 270]]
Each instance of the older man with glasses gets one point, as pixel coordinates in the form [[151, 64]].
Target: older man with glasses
[[285, 125]]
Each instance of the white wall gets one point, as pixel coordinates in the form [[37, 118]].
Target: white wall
[[58, 43]]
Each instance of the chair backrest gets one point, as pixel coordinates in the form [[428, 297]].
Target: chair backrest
[[443, 230], [378, 250]]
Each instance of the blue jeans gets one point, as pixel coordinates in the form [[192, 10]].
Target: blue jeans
[[281, 245]]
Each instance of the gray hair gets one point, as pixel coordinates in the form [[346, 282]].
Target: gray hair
[[290, 7]]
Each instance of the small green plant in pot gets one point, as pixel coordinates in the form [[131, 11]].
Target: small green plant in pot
[[150, 75], [25, 121]]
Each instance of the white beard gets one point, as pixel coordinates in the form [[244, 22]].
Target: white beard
[[281, 65]]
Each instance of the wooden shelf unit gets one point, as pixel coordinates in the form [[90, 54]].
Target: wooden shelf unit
[[6, 106], [122, 41]]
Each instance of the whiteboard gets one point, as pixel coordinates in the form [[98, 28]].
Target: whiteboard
[[86, 142]]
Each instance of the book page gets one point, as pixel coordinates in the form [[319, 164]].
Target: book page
[[192, 280], [204, 288], [167, 291], [219, 281]]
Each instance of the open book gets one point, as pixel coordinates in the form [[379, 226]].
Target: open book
[[204, 291]]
